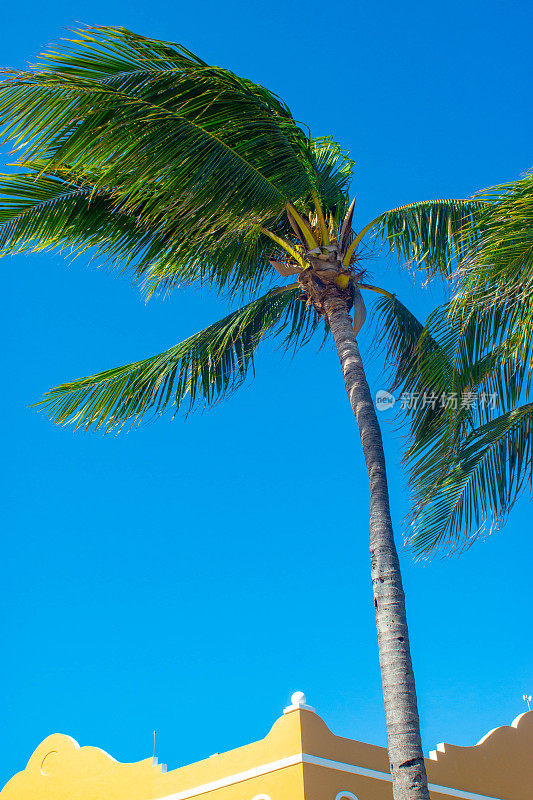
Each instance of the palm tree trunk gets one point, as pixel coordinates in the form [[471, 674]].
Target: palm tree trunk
[[409, 780]]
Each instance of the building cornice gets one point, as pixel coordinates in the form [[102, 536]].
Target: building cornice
[[305, 758]]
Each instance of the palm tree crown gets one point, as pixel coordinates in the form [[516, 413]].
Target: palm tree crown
[[180, 172]]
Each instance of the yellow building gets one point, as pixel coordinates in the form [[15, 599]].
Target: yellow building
[[300, 759]]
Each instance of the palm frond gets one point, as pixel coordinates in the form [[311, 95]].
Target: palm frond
[[488, 353], [494, 302], [333, 174], [454, 441], [59, 210], [482, 479], [467, 477], [433, 234], [146, 115], [38, 212], [198, 371], [407, 344], [419, 366], [500, 266]]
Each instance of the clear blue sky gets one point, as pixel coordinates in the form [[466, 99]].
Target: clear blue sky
[[189, 576]]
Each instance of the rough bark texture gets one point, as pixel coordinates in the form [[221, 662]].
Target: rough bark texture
[[409, 780]]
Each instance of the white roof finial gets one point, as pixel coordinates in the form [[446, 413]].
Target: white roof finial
[[298, 701]]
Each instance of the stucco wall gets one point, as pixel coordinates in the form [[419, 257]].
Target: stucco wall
[[300, 759]]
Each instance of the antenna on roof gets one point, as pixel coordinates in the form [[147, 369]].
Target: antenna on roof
[[527, 699], [153, 754]]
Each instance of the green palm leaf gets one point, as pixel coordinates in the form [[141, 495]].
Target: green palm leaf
[[333, 172], [420, 369], [200, 370], [467, 474], [485, 475], [432, 234], [145, 115], [501, 264], [39, 212], [61, 209], [465, 466], [494, 302]]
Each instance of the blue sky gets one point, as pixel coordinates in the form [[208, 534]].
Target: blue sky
[[190, 575]]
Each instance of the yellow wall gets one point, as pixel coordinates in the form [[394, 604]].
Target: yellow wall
[[501, 765], [61, 770], [298, 760]]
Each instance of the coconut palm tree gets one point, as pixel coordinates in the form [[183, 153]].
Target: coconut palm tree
[[470, 456], [180, 172]]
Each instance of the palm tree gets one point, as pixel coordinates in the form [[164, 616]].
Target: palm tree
[[180, 172], [469, 459]]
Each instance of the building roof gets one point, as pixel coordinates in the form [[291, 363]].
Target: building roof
[[299, 759]]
